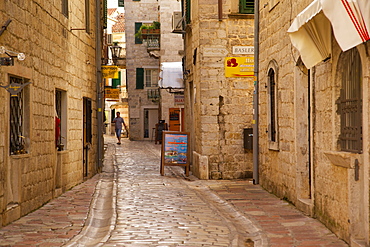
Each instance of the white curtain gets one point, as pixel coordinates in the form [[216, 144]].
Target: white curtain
[[171, 75]]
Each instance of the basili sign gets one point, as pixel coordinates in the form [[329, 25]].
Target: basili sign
[[237, 50]]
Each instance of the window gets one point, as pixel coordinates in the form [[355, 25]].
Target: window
[[350, 102], [272, 105], [272, 102], [246, 6], [61, 114], [87, 16], [87, 120], [65, 8], [138, 40], [18, 119], [146, 77], [121, 3], [151, 78]]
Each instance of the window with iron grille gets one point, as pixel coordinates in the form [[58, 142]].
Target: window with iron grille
[[272, 105], [61, 111], [246, 6], [17, 120], [65, 10], [151, 77], [350, 102], [121, 3]]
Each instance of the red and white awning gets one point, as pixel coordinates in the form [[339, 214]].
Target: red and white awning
[[310, 31]]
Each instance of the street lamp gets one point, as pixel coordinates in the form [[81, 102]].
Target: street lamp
[[116, 51]]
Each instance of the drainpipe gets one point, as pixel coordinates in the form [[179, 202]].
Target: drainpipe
[[99, 100], [220, 10], [255, 95]]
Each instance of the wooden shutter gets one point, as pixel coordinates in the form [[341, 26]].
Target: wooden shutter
[[246, 6], [116, 82], [139, 78], [138, 40]]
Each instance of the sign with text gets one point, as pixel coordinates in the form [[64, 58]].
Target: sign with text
[[239, 66], [109, 71], [243, 50], [112, 93], [179, 99]]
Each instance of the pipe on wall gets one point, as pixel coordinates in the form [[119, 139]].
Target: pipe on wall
[[256, 96], [220, 10], [99, 96]]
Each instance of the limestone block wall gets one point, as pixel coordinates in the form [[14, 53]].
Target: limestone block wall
[[137, 57], [56, 58], [305, 166], [219, 108]]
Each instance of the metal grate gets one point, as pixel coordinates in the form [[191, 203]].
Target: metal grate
[[350, 103], [16, 120]]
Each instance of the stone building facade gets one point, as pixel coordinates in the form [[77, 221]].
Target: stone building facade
[[59, 40], [218, 108], [313, 124], [147, 103]]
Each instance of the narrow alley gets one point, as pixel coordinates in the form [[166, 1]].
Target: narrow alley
[[131, 204]]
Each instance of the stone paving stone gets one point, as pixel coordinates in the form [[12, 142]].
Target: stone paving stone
[[171, 211]]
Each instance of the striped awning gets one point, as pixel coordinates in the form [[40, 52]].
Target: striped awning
[[310, 31]]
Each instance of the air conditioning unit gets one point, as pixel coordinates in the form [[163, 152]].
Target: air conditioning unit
[[109, 39], [177, 22]]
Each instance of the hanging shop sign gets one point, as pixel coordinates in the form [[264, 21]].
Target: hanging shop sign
[[112, 93], [109, 71], [15, 88], [239, 66]]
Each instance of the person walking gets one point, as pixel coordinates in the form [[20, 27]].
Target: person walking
[[118, 120]]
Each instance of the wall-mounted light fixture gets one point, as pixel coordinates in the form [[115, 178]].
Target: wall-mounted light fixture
[[9, 61], [116, 52]]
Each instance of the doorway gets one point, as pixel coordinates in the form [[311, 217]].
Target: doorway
[[150, 119], [176, 119]]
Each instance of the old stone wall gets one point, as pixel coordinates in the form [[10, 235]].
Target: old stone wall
[[219, 107], [305, 165], [138, 57], [56, 58]]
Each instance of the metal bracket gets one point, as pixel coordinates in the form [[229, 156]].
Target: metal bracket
[[3, 28]]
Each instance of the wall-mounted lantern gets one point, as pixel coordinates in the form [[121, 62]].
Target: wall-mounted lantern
[[116, 52]]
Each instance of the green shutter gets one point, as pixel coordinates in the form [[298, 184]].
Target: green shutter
[[117, 82], [138, 40], [246, 6], [188, 11], [139, 78]]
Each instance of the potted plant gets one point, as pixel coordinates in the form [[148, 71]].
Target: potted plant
[[147, 30]]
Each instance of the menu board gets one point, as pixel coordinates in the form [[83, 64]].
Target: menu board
[[175, 150]]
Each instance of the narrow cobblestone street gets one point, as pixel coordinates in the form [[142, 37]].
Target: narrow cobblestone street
[[133, 205]]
